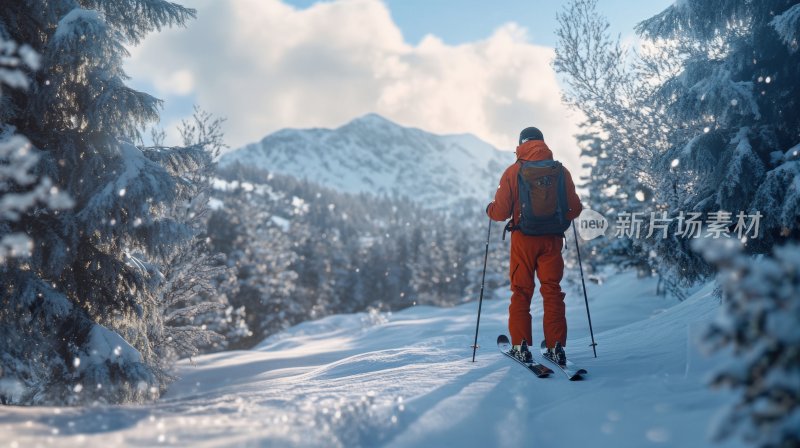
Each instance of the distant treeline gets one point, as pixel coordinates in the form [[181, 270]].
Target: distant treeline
[[301, 251]]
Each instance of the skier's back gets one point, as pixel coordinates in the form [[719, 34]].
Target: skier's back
[[539, 254]]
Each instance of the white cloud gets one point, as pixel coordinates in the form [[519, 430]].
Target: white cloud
[[265, 65], [180, 82]]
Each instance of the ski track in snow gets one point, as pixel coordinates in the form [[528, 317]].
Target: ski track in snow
[[406, 380]]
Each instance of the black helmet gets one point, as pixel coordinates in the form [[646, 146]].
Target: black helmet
[[530, 134]]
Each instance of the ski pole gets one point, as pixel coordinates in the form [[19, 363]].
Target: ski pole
[[585, 299], [483, 280]]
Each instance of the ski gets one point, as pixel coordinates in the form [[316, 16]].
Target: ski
[[573, 372], [537, 369]]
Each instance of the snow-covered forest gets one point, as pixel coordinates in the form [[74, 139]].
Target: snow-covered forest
[[319, 287]]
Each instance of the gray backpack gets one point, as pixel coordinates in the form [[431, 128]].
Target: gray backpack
[[543, 198]]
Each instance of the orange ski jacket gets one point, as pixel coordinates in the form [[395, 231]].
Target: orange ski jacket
[[506, 204]]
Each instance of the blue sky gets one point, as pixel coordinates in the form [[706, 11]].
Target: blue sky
[[469, 66]]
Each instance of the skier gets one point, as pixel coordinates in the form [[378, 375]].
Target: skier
[[539, 254]]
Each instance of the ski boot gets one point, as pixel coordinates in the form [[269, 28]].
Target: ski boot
[[522, 353], [557, 354]]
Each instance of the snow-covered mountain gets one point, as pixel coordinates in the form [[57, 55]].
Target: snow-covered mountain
[[373, 154]]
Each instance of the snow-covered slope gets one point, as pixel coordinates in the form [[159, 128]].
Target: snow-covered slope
[[406, 380], [373, 154]]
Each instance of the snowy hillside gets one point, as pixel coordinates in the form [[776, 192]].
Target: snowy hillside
[[373, 154], [406, 380]]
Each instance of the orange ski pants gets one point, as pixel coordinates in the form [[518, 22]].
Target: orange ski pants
[[540, 255]]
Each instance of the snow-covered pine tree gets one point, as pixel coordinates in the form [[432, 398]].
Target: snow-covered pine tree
[[21, 191], [430, 269], [78, 317], [760, 322], [609, 192], [705, 115], [261, 255], [614, 95], [624, 131], [20, 188], [400, 270], [735, 102], [197, 314]]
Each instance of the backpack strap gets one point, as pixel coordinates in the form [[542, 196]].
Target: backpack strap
[[510, 225]]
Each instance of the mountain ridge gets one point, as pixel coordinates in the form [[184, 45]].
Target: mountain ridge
[[375, 155]]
